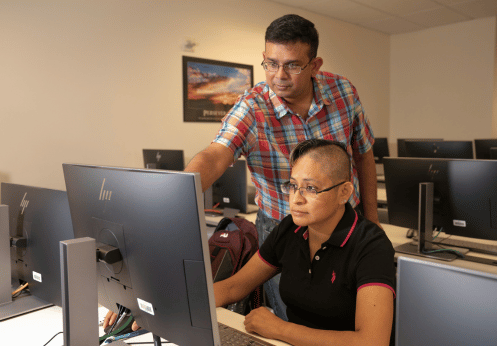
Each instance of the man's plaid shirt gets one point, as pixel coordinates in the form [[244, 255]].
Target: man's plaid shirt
[[261, 127]]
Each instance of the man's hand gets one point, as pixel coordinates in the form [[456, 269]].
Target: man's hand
[[110, 318], [263, 322]]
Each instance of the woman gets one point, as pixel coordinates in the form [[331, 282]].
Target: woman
[[337, 268]]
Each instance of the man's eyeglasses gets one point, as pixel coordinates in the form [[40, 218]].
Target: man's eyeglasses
[[288, 68], [308, 191]]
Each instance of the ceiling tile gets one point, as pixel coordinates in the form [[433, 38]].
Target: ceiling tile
[[477, 9], [347, 11], [295, 3], [392, 26], [450, 2], [400, 8], [442, 16]]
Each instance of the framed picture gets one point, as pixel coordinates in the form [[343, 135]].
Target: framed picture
[[211, 88]]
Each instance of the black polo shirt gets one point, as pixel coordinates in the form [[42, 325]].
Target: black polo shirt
[[322, 294]]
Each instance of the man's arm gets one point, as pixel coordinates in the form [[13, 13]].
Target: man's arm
[[366, 171], [211, 163]]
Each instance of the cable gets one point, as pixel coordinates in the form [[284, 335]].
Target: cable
[[20, 288], [213, 211], [435, 237], [53, 338], [452, 251]]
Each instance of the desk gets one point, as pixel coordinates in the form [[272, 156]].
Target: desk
[[397, 236], [38, 327]]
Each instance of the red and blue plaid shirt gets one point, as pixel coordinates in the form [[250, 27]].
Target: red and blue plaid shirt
[[261, 127]]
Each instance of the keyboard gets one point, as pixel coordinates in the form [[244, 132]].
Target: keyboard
[[488, 249], [233, 337]]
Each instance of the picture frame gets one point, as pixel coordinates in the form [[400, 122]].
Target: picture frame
[[211, 87]]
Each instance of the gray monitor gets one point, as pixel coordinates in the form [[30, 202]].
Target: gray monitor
[[230, 190], [41, 217], [172, 160], [440, 149], [440, 304], [156, 219]]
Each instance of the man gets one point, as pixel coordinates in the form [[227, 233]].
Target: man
[[295, 103]]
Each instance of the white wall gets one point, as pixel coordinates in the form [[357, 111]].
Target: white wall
[[442, 82], [97, 81]]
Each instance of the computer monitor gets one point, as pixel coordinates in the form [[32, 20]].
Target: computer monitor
[[41, 217], [156, 219], [401, 144], [440, 304], [473, 198], [380, 149], [443, 149], [230, 190], [172, 160], [483, 148], [402, 179]]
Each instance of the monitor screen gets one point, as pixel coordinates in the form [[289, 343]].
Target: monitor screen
[[401, 144], [443, 149], [42, 217], [444, 305], [402, 178], [230, 190], [172, 160], [483, 148], [473, 201], [156, 219], [380, 149]]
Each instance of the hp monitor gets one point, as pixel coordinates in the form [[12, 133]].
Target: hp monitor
[[473, 198], [380, 149], [443, 149], [483, 148], [230, 190], [444, 305], [38, 220], [156, 220], [401, 144], [172, 160], [402, 179]]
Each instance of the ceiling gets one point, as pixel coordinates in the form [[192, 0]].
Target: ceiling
[[398, 16]]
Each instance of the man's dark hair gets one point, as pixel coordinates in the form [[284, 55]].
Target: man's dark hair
[[292, 28], [333, 155]]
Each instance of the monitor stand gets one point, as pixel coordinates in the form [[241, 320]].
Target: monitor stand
[[424, 244], [11, 308], [80, 293]]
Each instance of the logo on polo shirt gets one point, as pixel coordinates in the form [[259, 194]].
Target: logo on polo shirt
[[224, 235], [333, 277]]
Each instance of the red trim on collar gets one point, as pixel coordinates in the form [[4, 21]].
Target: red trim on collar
[[297, 229], [351, 230], [306, 234]]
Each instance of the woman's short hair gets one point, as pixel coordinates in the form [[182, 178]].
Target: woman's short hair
[[332, 154]]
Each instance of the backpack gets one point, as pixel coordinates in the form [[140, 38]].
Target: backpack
[[233, 243]]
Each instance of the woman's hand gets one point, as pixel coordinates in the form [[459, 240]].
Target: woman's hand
[[110, 318], [263, 322]]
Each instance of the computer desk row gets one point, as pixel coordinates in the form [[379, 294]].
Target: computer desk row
[[38, 327]]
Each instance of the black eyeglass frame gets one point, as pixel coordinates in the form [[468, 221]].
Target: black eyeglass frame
[[285, 66], [285, 186]]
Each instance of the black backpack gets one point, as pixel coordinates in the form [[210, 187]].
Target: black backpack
[[233, 243]]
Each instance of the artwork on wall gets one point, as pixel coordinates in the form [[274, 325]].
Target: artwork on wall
[[211, 87]]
